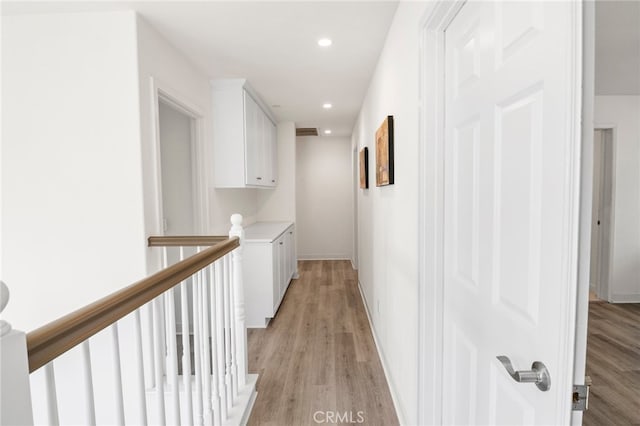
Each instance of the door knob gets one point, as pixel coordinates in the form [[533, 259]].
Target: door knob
[[538, 373]]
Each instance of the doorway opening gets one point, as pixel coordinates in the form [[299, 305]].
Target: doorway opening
[[178, 177], [602, 213]]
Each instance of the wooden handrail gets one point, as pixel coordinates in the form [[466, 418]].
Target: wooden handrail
[[185, 240], [52, 340]]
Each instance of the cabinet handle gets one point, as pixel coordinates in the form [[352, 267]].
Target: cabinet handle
[[259, 178], [281, 242], [273, 181]]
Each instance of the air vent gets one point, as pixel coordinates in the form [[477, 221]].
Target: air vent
[[307, 131]]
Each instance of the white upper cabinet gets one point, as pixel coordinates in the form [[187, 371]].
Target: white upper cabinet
[[244, 137]]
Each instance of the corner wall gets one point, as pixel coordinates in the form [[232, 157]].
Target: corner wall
[[388, 216], [623, 113]]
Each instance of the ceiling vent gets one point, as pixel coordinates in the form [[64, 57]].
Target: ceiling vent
[[307, 131]]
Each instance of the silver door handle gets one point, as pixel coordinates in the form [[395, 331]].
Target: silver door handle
[[538, 373]]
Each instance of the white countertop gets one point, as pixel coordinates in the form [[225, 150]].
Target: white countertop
[[265, 232]]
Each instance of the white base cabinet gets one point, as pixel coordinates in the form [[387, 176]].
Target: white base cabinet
[[269, 256]]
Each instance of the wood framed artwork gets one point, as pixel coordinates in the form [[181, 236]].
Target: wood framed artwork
[[384, 153], [364, 168]]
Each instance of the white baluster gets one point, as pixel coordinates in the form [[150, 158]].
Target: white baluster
[[220, 338], [88, 383], [214, 345], [206, 359], [150, 362], [142, 395], [197, 337], [158, 325], [15, 392], [172, 367], [227, 335], [232, 330], [52, 397], [186, 346], [118, 374]]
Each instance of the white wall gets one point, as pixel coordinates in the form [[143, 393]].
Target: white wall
[[279, 203], [324, 198], [623, 113], [172, 72], [72, 227], [388, 216]]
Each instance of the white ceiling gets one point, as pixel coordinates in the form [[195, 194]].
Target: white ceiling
[[617, 47], [273, 45]]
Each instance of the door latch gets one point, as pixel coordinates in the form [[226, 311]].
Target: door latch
[[580, 399]]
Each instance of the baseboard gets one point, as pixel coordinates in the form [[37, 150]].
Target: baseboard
[[625, 298], [324, 257], [353, 265], [383, 361]]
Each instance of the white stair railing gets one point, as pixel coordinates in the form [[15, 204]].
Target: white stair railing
[[189, 355]]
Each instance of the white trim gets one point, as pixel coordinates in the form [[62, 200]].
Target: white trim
[[586, 188], [383, 361], [430, 234], [161, 91], [430, 237], [571, 247], [625, 298], [325, 257]]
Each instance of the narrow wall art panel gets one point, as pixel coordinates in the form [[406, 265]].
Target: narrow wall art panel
[[384, 153], [364, 168]]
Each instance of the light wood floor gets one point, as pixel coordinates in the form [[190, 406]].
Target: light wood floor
[[318, 354], [613, 363]]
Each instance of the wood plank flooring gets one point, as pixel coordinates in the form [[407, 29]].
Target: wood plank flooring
[[613, 363], [317, 356]]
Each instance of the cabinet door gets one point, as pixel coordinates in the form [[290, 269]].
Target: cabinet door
[[277, 274], [283, 265], [273, 150], [291, 254], [254, 169]]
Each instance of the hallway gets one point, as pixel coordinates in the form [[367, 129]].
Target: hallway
[[317, 357], [613, 363]]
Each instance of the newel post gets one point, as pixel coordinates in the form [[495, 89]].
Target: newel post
[[238, 291], [15, 405]]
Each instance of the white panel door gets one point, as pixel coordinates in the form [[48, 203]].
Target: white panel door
[[509, 198]]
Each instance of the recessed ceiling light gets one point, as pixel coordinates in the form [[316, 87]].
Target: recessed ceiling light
[[327, 132], [327, 106], [324, 42]]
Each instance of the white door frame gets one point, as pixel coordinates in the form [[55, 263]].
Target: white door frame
[[169, 96], [431, 204]]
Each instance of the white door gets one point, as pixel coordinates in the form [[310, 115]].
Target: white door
[[510, 211], [601, 211]]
